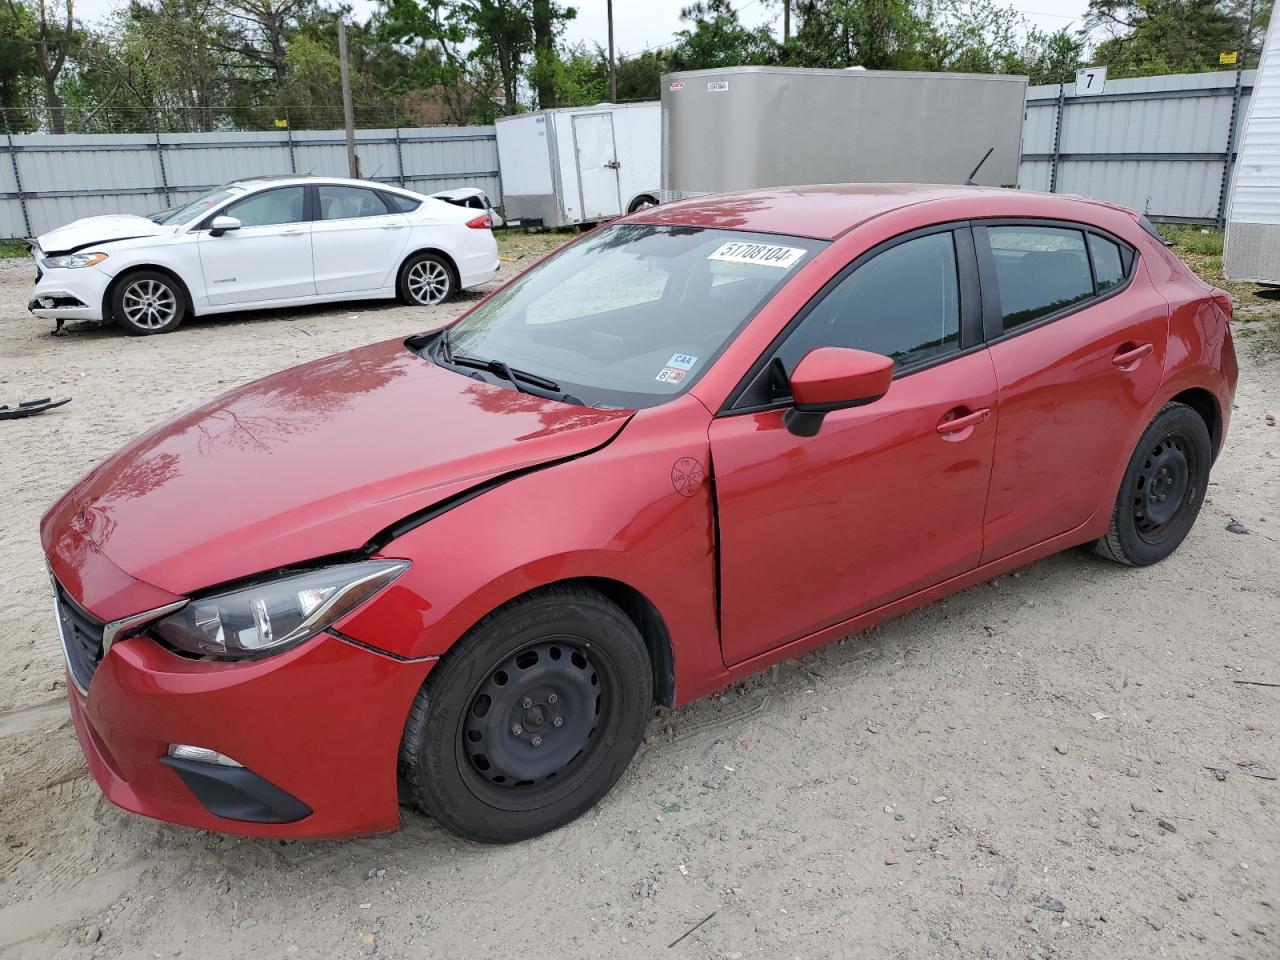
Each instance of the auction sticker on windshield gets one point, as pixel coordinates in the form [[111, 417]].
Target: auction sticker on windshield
[[765, 254]]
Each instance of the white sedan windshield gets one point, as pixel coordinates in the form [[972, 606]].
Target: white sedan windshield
[[196, 208], [630, 315]]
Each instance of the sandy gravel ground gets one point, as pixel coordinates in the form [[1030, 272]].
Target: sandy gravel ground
[[1058, 764]]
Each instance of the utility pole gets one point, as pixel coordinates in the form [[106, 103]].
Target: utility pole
[[786, 20], [348, 113], [613, 67]]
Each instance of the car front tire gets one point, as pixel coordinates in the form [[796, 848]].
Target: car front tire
[[1162, 490], [426, 279], [531, 718], [147, 302]]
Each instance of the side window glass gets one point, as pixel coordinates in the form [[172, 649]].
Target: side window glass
[[1108, 269], [904, 303], [271, 207], [349, 203], [1039, 270]]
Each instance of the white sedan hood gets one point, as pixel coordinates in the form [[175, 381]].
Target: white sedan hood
[[90, 231]]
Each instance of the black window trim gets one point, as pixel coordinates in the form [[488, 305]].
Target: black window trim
[[971, 313], [992, 315], [206, 223]]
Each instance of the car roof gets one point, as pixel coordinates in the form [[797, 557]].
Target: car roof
[[279, 179], [825, 211]]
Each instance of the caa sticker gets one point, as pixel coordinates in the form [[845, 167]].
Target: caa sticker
[[670, 375], [682, 361], [676, 85]]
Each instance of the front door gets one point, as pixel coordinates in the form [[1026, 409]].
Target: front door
[[887, 498], [268, 258], [1078, 338], [357, 240], [597, 165]]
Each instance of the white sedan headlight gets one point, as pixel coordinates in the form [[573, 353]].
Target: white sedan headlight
[[270, 616], [72, 261]]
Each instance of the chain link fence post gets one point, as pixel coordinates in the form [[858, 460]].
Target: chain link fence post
[[17, 175], [1057, 138], [1229, 158]]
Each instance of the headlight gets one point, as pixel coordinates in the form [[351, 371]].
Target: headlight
[[270, 616], [73, 260]]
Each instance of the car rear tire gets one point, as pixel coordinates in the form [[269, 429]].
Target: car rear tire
[[530, 718], [1162, 490], [426, 279], [148, 302]]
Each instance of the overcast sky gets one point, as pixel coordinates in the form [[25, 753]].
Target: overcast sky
[[642, 24]]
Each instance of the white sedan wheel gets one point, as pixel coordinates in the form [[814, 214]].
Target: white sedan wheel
[[428, 282]]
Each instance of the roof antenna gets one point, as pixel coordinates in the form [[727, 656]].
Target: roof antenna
[[969, 181]]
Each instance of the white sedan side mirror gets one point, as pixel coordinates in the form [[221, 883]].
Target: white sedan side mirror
[[221, 225]]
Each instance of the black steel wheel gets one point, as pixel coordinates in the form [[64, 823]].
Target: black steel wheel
[[1162, 490], [531, 718]]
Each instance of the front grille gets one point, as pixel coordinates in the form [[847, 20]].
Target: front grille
[[81, 638]]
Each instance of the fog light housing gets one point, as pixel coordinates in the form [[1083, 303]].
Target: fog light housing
[[185, 751]]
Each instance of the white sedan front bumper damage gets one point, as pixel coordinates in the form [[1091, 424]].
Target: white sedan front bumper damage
[[74, 294]]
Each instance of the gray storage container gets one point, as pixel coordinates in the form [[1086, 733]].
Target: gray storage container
[[745, 127]]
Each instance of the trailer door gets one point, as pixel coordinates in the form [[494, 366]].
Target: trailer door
[[597, 165]]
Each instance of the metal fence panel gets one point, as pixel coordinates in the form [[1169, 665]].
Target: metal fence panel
[[64, 177], [1160, 145]]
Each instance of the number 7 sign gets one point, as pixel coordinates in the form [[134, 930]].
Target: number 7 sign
[[1090, 81]]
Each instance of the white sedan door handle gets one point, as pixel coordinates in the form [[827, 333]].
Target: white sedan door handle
[[394, 226]]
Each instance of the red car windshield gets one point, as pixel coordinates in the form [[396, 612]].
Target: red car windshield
[[630, 315]]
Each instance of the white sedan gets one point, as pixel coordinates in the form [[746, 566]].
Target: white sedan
[[261, 243]]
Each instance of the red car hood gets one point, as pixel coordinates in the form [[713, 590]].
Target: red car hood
[[308, 462]]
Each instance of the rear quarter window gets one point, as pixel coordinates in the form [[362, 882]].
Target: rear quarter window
[[1108, 264], [401, 203]]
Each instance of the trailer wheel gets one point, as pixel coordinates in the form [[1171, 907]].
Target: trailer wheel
[[642, 202]]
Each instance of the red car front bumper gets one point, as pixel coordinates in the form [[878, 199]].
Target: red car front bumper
[[321, 722]]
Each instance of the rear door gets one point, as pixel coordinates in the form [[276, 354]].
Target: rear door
[[887, 498], [357, 239], [597, 165], [268, 258], [1077, 335]]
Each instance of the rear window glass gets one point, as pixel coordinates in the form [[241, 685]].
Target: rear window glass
[[1039, 270], [350, 203]]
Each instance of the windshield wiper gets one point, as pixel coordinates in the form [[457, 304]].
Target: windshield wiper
[[506, 371]]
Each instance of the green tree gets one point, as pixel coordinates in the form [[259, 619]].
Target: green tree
[[547, 19], [18, 69], [1152, 37], [53, 35], [875, 34], [716, 37]]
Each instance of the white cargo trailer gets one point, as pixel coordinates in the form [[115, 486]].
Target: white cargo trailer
[[745, 127], [1252, 246], [580, 164]]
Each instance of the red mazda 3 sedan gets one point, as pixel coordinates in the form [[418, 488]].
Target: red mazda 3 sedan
[[692, 443]]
